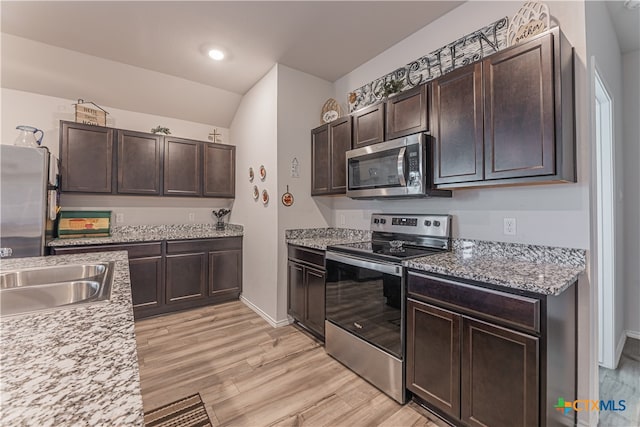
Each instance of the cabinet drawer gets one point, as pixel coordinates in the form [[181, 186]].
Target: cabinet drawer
[[309, 256], [502, 307], [204, 245], [136, 250]]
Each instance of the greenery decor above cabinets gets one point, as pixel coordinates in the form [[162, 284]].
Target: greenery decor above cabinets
[[97, 159], [508, 119], [329, 143]]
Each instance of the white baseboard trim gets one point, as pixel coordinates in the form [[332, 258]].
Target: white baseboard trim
[[633, 334], [270, 320], [619, 347]]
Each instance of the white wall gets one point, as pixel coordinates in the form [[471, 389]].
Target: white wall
[[631, 142], [255, 134], [45, 112], [300, 99], [554, 215]]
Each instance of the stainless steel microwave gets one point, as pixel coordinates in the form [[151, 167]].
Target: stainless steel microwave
[[397, 168]]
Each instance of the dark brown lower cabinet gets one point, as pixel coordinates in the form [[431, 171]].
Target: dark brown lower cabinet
[[480, 356], [306, 286], [148, 275], [176, 275], [186, 277]]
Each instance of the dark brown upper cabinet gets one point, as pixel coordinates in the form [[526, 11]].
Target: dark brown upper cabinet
[[519, 111], [219, 170], [329, 143], [182, 166], [457, 126], [368, 125], [139, 162], [526, 102], [86, 154], [407, 112], [97, 159]]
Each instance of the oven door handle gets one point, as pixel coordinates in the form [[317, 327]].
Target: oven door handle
[[394, 270], [403, 181]]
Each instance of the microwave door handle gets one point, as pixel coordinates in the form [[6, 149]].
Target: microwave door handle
[[403, 180]]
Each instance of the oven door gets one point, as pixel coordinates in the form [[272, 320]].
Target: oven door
[[389, 169], [366, 298]]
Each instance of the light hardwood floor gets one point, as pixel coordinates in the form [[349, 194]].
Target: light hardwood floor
[[250, 374]]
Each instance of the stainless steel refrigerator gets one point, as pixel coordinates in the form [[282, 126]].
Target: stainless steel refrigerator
[[27, 200]]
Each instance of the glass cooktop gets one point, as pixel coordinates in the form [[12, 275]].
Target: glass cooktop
[[395, 250]]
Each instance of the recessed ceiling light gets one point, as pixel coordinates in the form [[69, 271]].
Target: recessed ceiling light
[[216, 54]]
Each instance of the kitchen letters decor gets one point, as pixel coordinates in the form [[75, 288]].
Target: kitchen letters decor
[[470, 48]]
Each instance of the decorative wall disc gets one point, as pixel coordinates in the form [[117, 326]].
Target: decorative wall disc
[[263, 172], [256, 192], [251, 174], [265, 197]]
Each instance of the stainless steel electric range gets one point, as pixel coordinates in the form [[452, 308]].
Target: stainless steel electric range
[[365, 295]]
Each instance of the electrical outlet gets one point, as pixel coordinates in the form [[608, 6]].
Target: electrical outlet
[[119, 218], [192, 217], [509, 226], [342, 220]]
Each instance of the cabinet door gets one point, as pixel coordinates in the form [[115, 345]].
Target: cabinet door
[[147, 282], [457, 126], [296, 285], [182, 165], [407, 112], [500, 381], [219, 170], [519, 111], [186, 277], [368, 125], [139, 162], [315, 283], [320, 160], [86, 154], [340, 143], [225, 272], [433, 356]]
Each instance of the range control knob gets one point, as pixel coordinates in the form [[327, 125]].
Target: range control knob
[[376, 220], [436, 223], [427, 223], [383, 221]]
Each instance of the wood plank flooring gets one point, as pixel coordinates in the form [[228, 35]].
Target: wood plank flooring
[[250, 374]]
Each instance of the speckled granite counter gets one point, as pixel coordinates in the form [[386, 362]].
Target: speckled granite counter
[[320, 238], [74, 366], [150, 233], [540, 269]]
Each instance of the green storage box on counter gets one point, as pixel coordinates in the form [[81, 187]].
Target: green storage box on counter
[[74, 224]]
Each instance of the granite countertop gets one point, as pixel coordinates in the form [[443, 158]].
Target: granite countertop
[[75, 366], [151, 233], [320, 238], [539, 269]]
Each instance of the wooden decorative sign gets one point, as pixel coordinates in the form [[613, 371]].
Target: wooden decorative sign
[[90, 113], [533, 18], [468, 49]]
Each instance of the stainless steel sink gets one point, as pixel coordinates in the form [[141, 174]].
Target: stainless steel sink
[[33, 289]]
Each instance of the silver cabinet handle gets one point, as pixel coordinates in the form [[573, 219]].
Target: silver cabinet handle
[[394, 270]]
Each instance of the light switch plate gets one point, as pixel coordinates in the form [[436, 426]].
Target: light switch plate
[[119, 218]]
